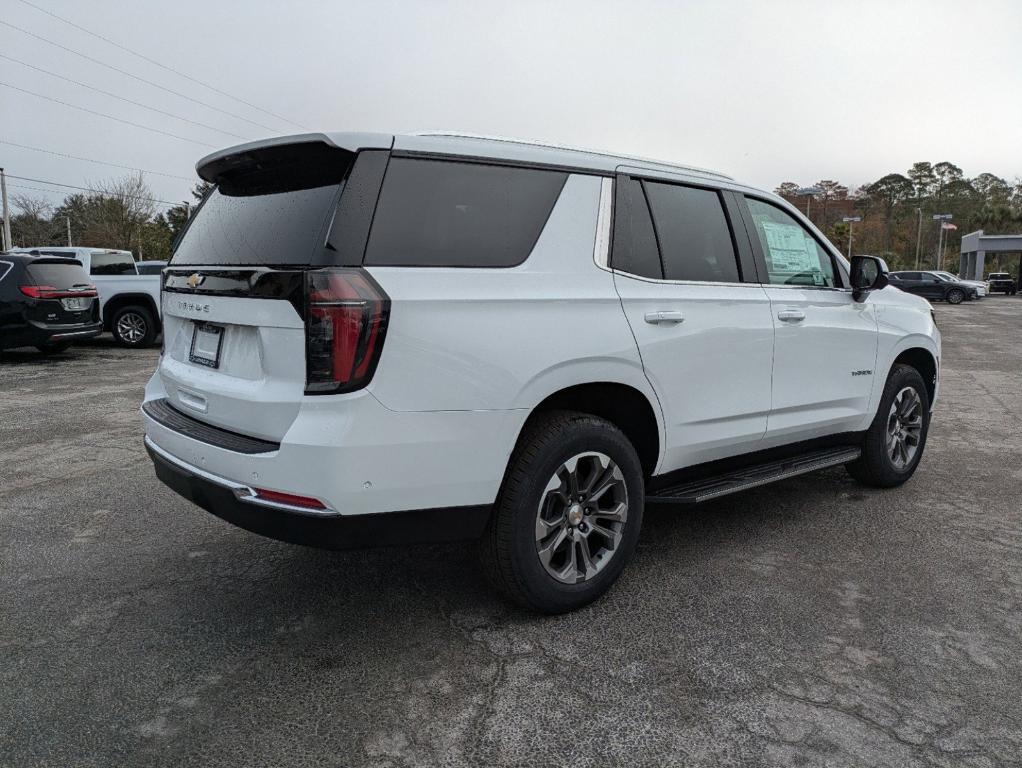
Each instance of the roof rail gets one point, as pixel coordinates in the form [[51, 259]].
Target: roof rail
[[551, 145]]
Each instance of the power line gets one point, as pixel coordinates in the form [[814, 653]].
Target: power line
[[135, 77], [101, 194], [98, 162], [121, 98], [93, 191], [162, 66], [109, 117]]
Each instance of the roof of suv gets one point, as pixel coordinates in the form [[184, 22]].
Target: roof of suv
[[467, 145], [21, 257]]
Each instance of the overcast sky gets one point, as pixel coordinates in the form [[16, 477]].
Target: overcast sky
[[765, 91]]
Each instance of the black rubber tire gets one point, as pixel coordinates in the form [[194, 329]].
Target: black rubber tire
[[955, 296], [874, 467], [508, 548], [147, 318], [55, 348]]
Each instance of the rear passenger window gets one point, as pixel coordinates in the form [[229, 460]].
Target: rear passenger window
[[695, 239], [434, 213], [793, 257], [635, 250]]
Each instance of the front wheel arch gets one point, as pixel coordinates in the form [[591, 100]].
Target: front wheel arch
[[924, 362]]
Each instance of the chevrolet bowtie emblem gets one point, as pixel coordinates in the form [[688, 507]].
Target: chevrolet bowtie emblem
[[194, 281]]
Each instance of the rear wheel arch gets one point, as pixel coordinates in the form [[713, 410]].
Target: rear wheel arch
[[624, 406]]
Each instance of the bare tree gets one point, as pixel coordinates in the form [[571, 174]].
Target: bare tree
[[119, 209], [33, 224]]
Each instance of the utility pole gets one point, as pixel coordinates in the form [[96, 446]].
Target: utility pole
[[68, 220], [7, 245], [919, 235]]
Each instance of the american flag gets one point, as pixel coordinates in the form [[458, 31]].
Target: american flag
[[947, 225]]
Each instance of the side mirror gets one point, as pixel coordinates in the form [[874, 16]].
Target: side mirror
[[868, 274]]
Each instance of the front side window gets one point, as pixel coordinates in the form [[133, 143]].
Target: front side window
[[792, 255], [695, 239], [438, 213]]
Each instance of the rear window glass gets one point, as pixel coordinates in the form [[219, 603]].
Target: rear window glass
[[267, 229], [434, 213], [56, 275], [113, 263]]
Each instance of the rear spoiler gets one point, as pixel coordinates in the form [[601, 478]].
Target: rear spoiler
[[269, 164], [40, 258]]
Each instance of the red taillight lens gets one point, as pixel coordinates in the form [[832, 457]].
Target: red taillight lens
[[49, 292], [345, 324], [293, 499]]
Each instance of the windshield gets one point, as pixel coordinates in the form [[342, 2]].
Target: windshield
[[947, 277]]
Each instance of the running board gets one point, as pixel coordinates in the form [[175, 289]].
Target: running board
[[697, 491]]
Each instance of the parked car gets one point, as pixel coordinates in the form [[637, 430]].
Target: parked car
[[1003, 282], [423, 338], [152, 267], [982, 289], [46, 303], [934, 288], [129, 300]]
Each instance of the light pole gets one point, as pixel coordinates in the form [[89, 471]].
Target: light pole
[[808, 193], [919, 234], [850, 220], [941, 217]]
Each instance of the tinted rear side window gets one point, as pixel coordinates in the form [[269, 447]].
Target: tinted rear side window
[[635, 249], [435, 213], [60, 276], [695, 239]]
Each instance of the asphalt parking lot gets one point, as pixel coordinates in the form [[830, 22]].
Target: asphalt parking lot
[[813, 622]]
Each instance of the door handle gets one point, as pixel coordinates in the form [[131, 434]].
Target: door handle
[[664, 318], [791, 315]]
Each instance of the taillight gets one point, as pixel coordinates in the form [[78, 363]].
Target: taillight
[[49, 292], [345, 324]]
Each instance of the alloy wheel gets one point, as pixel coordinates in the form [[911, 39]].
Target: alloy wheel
[[581, 517], [904, 428], [131, 327]]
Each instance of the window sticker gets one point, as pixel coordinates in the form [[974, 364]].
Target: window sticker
[[791, 249]]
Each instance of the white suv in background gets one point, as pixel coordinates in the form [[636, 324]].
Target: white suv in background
[[373, 339]]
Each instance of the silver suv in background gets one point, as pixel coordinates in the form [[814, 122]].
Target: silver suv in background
[[375, 338]]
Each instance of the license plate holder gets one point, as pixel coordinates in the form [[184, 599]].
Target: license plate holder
[[207, 341], [75, 303]]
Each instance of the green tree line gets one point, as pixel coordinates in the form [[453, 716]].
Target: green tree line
[[897, 212]]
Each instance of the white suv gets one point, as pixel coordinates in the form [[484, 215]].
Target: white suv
[[373, 339]]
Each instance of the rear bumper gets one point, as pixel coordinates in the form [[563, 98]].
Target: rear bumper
[[227, 500], [37, 334]]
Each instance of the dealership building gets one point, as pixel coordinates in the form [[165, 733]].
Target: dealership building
[[975, 248]]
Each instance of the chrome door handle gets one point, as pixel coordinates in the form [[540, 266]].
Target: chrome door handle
[[791, 315], [664, 318]]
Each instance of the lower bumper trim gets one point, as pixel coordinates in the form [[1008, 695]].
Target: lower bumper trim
[[418, 526]]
